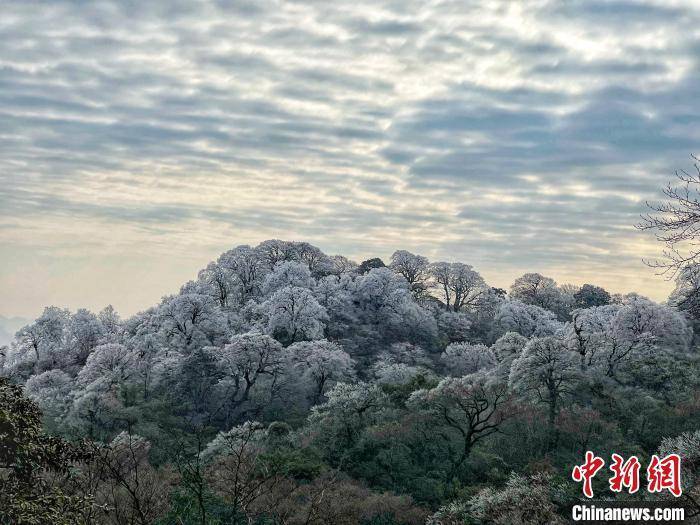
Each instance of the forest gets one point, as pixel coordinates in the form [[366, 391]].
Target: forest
[[286, 386]]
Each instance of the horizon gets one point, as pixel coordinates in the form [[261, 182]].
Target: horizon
[[146, 301]]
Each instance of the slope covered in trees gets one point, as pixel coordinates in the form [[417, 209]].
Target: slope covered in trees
[[286, 386]]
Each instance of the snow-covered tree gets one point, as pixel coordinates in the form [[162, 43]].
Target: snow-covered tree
[[546, 372], [287, 273], [246, 269], [51, 391], [293, 314], [526, 319], [461, 359], [191, 320], [508, 347], [111, 362], [84, 332], [43, 341], [458, 285], [321, 364], [414, 268], [251, 368]]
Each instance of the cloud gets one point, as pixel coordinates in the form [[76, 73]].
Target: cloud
[[516, 136]]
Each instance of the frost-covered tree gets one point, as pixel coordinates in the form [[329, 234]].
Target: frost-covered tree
[[287, 273], [414, 268], [609, 337], [335, 294], [237, 470], [463, 411], [406, 353], [219, 281], [112, 324], [590, 295], [384, 303], [321, 364], [350, 408], [191, 320], [508, 347], [51, 391], [341, 265], [534, 288], [246, 269], [251, 368], [84, 332], [458, 285], [525, 319], [461, 359], [453, 327], [546, 372], [293, 314], [43, 341], [111, 362], [521, 501]]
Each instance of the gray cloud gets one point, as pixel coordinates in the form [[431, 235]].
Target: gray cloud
[[514, 135]]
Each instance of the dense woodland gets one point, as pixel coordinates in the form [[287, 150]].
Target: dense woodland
[[286, 386]]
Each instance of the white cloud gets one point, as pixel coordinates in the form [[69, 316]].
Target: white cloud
[[171, 131]]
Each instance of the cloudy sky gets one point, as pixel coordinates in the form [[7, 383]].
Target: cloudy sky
[[138, 140]]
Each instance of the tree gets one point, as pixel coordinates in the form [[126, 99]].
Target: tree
[[238, 470], [287, 273], [370, 264], [590, 295], [84, 332], [191, 320], [44, 340], [246, 268], [251, 366], [525, 319], [385, 305], [111, 322], [610, 337], [341, 265], [414, 268], [350, 408], [463, 358], [321, 364], [676, 222], [29, 459], [111, 362], [464, 411], [293, 314], [686, 294], [51, 391], [523, 500], [459, 284], [220, 281], [134, 491], [547, 372], [506, 349], [538, 290]]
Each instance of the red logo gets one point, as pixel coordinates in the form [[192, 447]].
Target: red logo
[[662, 474]]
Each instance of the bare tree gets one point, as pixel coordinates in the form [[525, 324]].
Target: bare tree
[[676, 222]]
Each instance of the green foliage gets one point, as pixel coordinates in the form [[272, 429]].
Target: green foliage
[[32, 464]]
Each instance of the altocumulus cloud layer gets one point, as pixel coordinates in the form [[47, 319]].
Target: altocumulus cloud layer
[[138, 140]]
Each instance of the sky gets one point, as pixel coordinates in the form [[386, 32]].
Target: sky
[[139, 140]]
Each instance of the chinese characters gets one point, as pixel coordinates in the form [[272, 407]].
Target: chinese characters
[[662, 474]]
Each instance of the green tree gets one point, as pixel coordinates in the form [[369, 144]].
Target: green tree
[[33, 465]]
